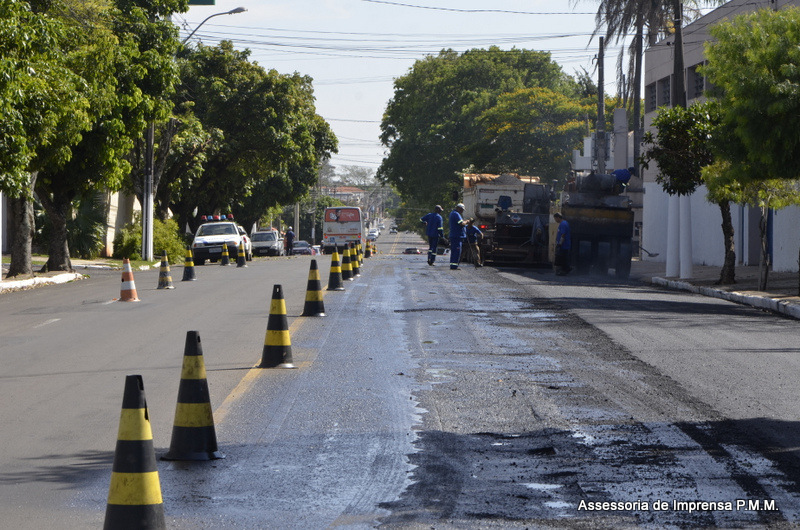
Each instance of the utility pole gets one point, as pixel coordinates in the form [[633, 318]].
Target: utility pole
[[600, 140], [678, 73], [148, 185]]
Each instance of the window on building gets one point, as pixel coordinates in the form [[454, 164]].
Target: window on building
[[695, 82], [650, 99], [664, 92]]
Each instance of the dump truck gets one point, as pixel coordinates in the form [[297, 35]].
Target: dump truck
[[601, 225], [512, 211]]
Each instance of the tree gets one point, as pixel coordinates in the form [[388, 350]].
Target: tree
[[754, 64], [270, 140], [127, 82], [533, 132], [433, 118], [682, 148], [44, 107]]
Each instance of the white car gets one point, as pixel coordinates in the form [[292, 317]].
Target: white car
[[216, 233], [267, 242]]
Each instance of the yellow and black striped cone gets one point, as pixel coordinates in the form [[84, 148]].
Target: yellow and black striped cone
[[277, 351], [360, 254], [314, 306], [241, 260], [134, 496], [354, 261], [335, 282], [188, 267], [164, 275], [368, 250], [347, 270], [193, 434], [226, 257]]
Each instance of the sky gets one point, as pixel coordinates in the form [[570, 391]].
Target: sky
[[354, 49]]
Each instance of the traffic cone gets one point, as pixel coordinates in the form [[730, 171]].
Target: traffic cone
[[240, 256], [277, 351], [368, 250], [226, 257], [314, 306], [128, 291], [347, 270], [354, 261], [335, 282], [193, 434], [188, 267], [134, 496], [164, 276]]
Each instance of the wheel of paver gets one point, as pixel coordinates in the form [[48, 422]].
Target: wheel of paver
[[582, 256], [602, 258], [623, 268]]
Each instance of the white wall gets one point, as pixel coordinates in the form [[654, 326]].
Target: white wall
[[786, 239], [707, 244]]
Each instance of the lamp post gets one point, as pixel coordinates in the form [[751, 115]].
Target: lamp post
[[147, 207], [231, 12]]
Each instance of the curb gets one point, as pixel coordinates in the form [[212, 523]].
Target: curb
[[782, 307], [19, 285]]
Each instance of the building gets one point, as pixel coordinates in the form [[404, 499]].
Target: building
[[701, 220], [349, 195]]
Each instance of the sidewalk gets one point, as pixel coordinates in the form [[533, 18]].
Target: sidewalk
[[82, 268], [781, 295]]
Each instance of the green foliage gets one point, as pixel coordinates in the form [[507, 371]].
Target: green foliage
[[532, 132], [42, 108], [166, 236], [682, 145], [270, 142], [128, 241], [433, 124], [754, 65], [723, 184]]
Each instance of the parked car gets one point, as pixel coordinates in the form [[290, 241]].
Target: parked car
[[269, 243], [303, 248], [412, 250]]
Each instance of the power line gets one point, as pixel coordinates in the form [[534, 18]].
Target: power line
[[503, 11]]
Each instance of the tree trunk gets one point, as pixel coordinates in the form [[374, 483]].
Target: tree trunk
[[727, 275], [763, 262], [59, 208], [22, 221]]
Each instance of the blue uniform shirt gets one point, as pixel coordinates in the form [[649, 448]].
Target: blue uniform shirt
[[456, 230], [434, 222], [473, 233], [563, 230]]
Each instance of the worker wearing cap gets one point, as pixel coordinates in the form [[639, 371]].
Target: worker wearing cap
[[458, 233], [434, 230]]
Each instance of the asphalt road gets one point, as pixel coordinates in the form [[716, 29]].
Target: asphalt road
[[478, 398]]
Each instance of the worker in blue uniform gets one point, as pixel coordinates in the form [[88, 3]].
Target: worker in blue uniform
[[458, 233], [434, 230], [563, 245]]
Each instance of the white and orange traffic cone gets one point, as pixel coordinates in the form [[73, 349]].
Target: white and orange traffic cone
[[127, 292]]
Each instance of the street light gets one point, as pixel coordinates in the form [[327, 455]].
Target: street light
[[147, 207], [231, 12]]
